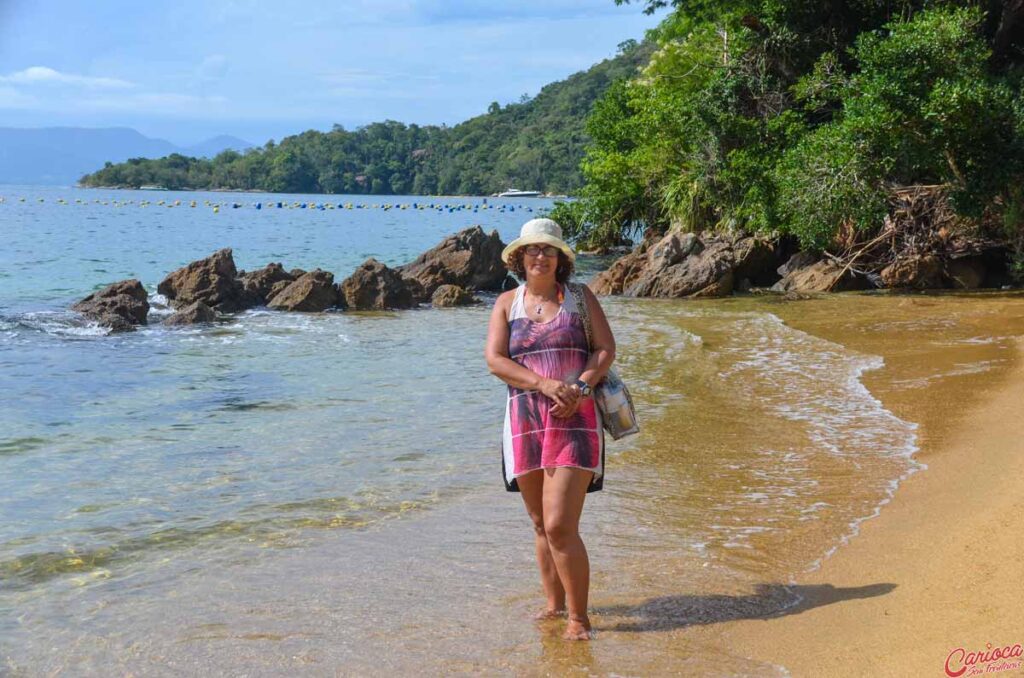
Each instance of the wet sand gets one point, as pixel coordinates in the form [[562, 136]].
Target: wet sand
[[940, 568]]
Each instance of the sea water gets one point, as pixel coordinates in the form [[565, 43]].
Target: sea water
[[320, 492]]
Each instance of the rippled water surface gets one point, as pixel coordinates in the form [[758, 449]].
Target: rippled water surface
[[321, 493]]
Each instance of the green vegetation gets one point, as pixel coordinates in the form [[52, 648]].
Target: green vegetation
[[534, 144], [800, 117]]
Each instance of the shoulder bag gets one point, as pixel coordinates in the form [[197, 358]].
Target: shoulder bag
[[611, 395]]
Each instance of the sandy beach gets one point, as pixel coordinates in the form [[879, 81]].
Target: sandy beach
[[939, 569]]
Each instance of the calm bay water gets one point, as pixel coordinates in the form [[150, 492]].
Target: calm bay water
[[292, 492]]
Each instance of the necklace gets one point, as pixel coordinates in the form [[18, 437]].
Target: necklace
[[540, 305]]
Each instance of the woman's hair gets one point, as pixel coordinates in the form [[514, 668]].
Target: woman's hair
[[562, 273]]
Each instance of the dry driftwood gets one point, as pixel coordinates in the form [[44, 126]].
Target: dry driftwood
[[920, 221]]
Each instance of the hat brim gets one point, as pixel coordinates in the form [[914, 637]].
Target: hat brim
[[540, 238]]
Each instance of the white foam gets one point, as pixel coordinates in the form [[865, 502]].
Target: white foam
[[818, 383]]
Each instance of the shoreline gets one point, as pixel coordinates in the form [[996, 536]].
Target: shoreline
[[933, 572]]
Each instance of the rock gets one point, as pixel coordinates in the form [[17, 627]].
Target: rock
[[707, 271], [672, 249], [510, 283], [451, 295], [469, 258], [211, 280], [918, 272], [797, 261], [755, 260], [621, 274], [687, 265], [277, 288], [373, 287], [257, 285], [196, 312], [821, 276], [311, 292], [419, 293], [296, 273], [967, 273], [120, 306]]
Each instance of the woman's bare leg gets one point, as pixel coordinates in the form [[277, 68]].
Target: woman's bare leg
[[531, 486], [565, 489]]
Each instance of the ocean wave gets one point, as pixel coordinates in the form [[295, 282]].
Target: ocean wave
[[818, 383], [54, 323]]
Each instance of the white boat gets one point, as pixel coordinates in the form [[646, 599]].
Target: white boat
[[516, 193]]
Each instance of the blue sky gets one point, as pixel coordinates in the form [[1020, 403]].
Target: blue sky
[[188, 70]]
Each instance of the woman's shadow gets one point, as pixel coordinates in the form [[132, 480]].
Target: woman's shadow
[[767, 602]]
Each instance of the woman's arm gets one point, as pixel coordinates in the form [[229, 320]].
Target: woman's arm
[[603, 350], [511, 372]]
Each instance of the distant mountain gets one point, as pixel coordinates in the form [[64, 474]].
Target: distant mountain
[[211, 147], [61, 155]]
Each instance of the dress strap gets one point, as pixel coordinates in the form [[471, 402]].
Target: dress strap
[[518, 309]]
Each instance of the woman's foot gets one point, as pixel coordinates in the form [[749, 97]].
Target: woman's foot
[[578, 628], [549, 613]]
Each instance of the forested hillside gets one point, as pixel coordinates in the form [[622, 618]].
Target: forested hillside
[[534, 144], [813, 119]]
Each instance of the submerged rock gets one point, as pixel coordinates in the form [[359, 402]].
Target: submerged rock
[[211, 280], [120, 306], [196, 312], [469, 258], [373, 287], [311, 292]]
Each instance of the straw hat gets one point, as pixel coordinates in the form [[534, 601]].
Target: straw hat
[[539, 231]]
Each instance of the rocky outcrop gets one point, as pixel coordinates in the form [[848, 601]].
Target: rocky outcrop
[[311, 292], [451, 295], [120, 306], [196, 312], [373, 287], [686, 265], [278, 287], [469, 259], [211, 280], [916, 272], [819, 276], [756, 262], [257, 286]]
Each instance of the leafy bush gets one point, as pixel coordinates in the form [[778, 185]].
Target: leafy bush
[[800, 117]]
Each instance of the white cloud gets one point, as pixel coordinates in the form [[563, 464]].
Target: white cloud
[[35, 75]]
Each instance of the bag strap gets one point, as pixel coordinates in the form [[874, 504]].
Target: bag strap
[[581, 307]]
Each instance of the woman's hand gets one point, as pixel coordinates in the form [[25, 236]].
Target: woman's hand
[[568, 409], [565, 395], [565, 412]]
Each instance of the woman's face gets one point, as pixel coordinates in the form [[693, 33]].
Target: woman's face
[[543, 263]]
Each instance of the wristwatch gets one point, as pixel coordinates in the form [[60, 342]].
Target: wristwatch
[[584, 387]]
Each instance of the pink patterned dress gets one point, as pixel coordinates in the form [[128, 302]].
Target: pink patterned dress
[[533, 438]]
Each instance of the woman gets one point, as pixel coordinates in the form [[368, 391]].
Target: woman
[[553, 441]]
